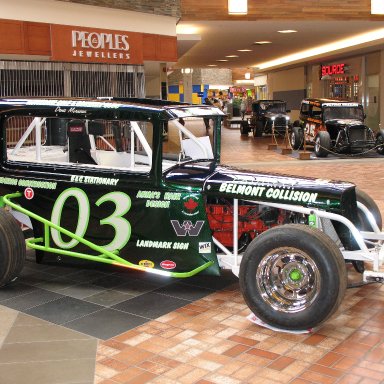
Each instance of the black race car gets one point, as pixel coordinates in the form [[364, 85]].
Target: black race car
[[334, 126], [269, 117], [94, 179]]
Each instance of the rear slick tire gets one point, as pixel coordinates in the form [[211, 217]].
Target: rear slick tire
[[293, 277], [12, 248]]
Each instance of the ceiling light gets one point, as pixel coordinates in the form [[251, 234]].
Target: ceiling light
[[187, 71], [262, 42], [187, 29], [322, 49], [243, 81], [244, 50], [222, 60], [237, 7], [212, 65], [377, 7], [287, 31], [247, 75], [232, 56]]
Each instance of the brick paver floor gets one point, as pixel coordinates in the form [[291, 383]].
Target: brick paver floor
[[211, 341]]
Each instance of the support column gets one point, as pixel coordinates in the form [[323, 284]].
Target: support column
[[381, 90], [187, 83]]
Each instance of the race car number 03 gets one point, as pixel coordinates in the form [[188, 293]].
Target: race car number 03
[[121, 226]]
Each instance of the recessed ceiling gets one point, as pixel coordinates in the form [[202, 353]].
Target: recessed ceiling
[[220, 39]]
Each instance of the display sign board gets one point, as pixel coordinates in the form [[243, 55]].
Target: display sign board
[[334, 69], [94, 45]]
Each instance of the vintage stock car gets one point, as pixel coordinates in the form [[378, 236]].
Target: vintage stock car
[[269, 117], [334, 126], [95, 179]]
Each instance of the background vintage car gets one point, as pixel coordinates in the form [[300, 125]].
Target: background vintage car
[[268, 116], [334, 126]]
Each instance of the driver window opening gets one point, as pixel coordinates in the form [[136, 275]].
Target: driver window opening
[[187, 139], [117, 144]]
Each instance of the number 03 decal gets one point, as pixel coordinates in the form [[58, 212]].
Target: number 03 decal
[[121, 226]]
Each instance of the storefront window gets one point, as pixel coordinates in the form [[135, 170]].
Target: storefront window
[[22, 78], [343, 88]]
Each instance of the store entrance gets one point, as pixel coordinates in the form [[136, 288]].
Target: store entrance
[[342, 87]]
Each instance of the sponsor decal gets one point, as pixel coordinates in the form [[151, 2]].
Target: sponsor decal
[[74, 103], [146, 263], [176, 196], [157, 204], [190, 205], [76, 129], [29, 193], [154, 199], [148, 195], [28, 183], [269, 193], [187, 228], [205, 247], [340, 105], [168, 264], [93, 180], [162, 244]]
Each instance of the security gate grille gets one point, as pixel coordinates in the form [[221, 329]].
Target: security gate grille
[[35, 78]]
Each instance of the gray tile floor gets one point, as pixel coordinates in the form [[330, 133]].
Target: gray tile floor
[[33, 350], [99, 300]]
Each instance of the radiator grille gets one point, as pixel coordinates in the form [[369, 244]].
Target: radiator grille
[[357, 133]]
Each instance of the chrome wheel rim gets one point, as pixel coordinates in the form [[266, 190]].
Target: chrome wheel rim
[[317, 144], [288, 279]]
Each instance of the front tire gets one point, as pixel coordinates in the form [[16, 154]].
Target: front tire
[[380, 142], [322, 144], [12, 248], [297, 138], [244, 128], [258, 129], [293, 277]]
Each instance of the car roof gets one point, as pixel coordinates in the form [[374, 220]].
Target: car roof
[[167, 110], [330, 102], [269, 101]]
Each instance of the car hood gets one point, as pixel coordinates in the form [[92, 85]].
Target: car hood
[[229, 182], [275, 114]]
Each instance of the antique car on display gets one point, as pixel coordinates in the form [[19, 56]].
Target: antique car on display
[[334, 126], [94, 179], [268, 116]]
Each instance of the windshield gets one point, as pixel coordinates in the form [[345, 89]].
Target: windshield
[[331, 113], [273, 107], [186, 139]]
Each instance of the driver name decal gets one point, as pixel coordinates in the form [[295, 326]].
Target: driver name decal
[[269, 193]]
